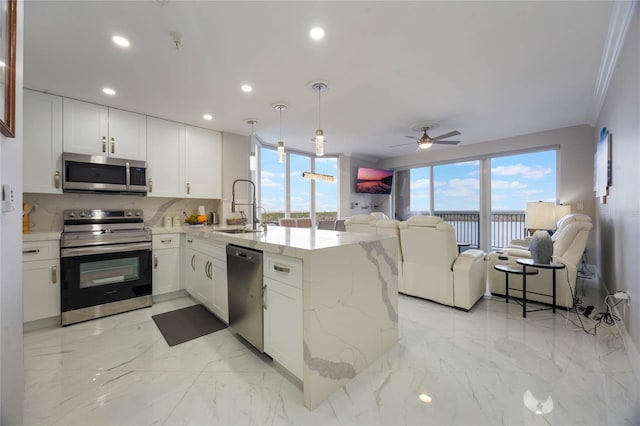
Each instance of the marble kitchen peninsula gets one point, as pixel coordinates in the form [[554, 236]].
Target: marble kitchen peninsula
[[350, 299]]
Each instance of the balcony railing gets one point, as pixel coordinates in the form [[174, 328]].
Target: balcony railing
[[505, 226]]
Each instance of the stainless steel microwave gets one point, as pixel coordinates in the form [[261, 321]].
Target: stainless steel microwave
[[93, 173]]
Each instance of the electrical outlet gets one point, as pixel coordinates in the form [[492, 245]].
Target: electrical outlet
[[7, 198]]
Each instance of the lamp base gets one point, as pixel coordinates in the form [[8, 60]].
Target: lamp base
[[541, 247]]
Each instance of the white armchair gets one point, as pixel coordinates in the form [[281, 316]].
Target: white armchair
[[432, 268], [362, 223], [569, 242]]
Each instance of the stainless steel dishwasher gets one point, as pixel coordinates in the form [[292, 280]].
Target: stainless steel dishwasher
[[244, 281]]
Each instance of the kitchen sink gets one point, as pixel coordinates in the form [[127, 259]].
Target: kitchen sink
[[237, 231]]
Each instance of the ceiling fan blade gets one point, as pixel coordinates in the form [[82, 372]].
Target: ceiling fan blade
[[447, 135], [402, 144], [447, 142], [415, 138]]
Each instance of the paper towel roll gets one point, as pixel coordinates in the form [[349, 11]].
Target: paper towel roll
[[201, 210]]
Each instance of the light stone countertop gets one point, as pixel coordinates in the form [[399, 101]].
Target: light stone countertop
[[40, 236]]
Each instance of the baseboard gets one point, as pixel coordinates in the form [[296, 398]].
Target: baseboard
[[168, 296], [629, 346], [41, 323]]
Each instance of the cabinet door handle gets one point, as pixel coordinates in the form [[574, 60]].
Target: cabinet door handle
[[150, 185], [104, 144], [165, 241], [264, 297], [189, 241], [31, 251], [56, 179], [193, 258], [113, 146], [54, 274], [211, 270], [281, 269], [188, 188], [155, 261]]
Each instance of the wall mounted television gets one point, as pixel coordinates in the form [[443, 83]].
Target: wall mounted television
[[374, 181]]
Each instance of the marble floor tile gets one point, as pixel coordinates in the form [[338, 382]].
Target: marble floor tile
[[487, 366]]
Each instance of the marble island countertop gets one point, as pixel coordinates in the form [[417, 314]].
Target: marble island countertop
[[295, 242]]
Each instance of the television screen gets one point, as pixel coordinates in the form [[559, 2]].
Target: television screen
[[374, 181]]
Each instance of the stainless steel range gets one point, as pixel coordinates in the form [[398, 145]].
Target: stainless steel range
[[106, 266]]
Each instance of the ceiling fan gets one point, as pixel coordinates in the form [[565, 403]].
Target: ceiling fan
[[426, 141]]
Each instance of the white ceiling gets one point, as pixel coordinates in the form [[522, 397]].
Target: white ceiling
[[488, 69]]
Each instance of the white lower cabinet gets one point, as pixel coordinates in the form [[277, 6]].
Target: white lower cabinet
[[206, 275], [197, 276], [282, 311], [166, 263], [41, 280], [219, 295]]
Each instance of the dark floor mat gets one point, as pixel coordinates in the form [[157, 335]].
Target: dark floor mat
[[188, 323]]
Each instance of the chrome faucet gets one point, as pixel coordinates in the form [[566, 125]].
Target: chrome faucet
[[254, 209]]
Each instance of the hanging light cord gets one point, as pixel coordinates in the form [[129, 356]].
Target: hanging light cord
[[280, 109], [319, 111]]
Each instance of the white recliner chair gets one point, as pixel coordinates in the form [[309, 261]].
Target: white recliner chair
[[362, 223], [560, 225], [432, 268], [569, 242]]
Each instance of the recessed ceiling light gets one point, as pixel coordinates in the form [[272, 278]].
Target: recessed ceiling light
[[109, 91], [120, 41], [246, 88], [316, 33], [208, 117], [425, 398]]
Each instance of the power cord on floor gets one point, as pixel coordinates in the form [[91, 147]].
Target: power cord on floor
[[583, 269], [607, 317]]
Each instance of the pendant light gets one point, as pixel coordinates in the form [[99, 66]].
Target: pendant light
[[252, 156], [319, 138], [280, 108]]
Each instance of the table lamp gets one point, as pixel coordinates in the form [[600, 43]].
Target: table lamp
[[540, 215]]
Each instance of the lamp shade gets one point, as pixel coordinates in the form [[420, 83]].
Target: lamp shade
[[562, 210], [540, 215]]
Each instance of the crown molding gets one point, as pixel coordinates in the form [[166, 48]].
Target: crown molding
[[618, 25]]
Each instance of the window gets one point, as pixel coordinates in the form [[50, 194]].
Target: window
[[453, 191], [272, 185], [283, 192], [516, 180], [326, 192], [300, 199]]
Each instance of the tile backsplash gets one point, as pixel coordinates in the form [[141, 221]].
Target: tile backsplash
[[46, 215]]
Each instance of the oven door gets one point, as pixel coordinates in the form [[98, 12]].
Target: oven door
[[98, 275]]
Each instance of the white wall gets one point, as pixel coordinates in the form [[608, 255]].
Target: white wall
[[11, 352], [366, 203], [618, 231], [235, 165], [575, 162]]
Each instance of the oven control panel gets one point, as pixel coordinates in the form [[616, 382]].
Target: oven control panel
[[97, 215]]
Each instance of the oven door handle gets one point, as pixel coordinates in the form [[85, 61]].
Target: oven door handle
[[115, 248]]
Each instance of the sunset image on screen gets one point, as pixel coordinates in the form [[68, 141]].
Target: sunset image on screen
[[374, 181]]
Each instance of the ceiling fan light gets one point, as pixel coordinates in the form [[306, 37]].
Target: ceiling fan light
[[422, 144]]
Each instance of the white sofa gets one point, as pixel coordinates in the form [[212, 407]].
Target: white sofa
[[432, 268], [362, 223], [569, 242]]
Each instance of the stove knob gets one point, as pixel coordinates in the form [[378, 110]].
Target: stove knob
[[72, 214], [128, 213], [82, 214], [138, 214]]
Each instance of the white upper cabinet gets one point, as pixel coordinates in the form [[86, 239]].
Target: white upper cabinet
[[98, 130], [183, 161], [42, 145], [165, 158], [203, 163]]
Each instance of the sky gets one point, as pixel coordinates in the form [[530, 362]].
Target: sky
[[272, 183], [515, 180]]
